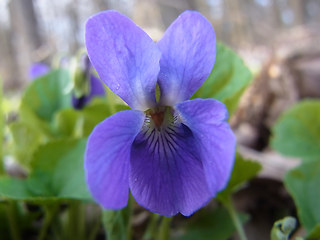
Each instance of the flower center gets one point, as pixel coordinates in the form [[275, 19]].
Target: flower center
[[159, 118], [162, 133]]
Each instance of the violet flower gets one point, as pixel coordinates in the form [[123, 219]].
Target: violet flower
[[37, 70], [174, 154], [94, 88], [78, 101]]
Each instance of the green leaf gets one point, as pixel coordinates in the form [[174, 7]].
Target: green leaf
[[80, 123], [210, 225], [47, 95], [25, 140], [303, 184], [315, 233], [243, 171], [57, 174], [228, 79], [297, 132]]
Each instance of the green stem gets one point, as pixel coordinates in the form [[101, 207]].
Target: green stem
[[129, 227], [95, 229], [50, 212], [151, 230], [76, 221], [164, 231], [235, 218], [14, 228]]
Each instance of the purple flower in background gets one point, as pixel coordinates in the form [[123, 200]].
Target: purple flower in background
[[85, 73], [174, 154], [95, 87], [38, 70]]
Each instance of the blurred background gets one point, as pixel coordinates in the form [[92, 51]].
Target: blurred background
[[259, 30], [279, 40]]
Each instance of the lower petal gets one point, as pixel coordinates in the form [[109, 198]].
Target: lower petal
[[107, 158], [167, 174], [179, 168]]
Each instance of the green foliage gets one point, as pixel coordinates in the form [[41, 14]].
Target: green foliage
[[216, 224], [283, 228], [47, 94], [243, 171], [228, 79], [303, 184], [117, 223], [80, 123], [315, 233], [57, 174], [25, 140], [297, 132]]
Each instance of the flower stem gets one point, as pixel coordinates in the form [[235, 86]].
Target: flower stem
[[151, 230], [164, 231], [130, 206], [76, 220], [49, 214], [14, 228], [95, 230], [235, 218]]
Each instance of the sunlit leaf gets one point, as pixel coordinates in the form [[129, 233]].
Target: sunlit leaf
[[80, 123], [47, 95], [303, 184], [25, 140], [57, 174], [228, 79], [297, 131]]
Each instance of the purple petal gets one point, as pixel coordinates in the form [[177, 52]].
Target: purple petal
[[207, 119], [181, 168], [107, 158], [166, 174], [188, 50], [38, 70], [96, 90], [125, 57], [96, 87]]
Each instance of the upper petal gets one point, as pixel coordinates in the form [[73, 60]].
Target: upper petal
[[188, 50], [207, 119], [107, 158], [125, 57]]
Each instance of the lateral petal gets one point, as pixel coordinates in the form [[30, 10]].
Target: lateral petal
[[107, 158], [207, 119]]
